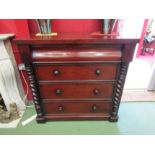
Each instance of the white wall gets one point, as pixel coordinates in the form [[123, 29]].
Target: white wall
[[151, 85], [132, 27]]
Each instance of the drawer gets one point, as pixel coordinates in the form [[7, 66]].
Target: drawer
[[76, 90], [94, 71], [77, 53], [77, 107]]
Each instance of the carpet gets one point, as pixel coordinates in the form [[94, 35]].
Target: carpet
[[134, 119]]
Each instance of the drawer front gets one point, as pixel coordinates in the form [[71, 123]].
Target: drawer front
[[77, 53], [102, 71], [77, 107], [76, 90]]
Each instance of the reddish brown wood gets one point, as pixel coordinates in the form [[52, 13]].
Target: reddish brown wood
[[76, 90], [78, 76], [70, 71], [74, 108], [75, 38], [128, 51], [86, 116], [118, 89], [77, 53], [25, 53], [35, 93]]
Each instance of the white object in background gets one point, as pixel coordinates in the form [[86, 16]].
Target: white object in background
[[29, 120], [132, 27], [151, 85], [10, 83]]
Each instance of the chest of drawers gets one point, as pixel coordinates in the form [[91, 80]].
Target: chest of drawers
[[76, 77]]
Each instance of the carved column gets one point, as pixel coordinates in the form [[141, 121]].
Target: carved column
[[118, 91], [35, 93]]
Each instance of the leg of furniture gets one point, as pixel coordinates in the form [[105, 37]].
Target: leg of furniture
[[35, 93], [118, 91]]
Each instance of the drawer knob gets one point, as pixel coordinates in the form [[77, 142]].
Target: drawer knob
[[98, 71], [56, 72], [94, 108], [60, 108], [58, 91], [96, 91]]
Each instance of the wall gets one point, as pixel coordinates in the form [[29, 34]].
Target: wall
[[142, 38], [69, 25]]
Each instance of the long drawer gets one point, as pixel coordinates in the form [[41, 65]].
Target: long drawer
[[77, 107], [81, 71], [76, 90]]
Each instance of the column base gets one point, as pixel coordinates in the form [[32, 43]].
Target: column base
[[113, 119], [41, 120]]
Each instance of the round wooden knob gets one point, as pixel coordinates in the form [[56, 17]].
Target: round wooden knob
[[98, 71], [96, 91], [56, 72], [58, 91], [60, 108], [94, 108]]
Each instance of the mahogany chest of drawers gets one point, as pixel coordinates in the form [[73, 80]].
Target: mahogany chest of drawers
[[76, 77]]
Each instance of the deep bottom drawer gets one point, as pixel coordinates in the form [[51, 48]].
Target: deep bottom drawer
[[78, 107]]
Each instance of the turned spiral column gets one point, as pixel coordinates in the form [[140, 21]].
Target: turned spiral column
[[35, 93], [118, 91]]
